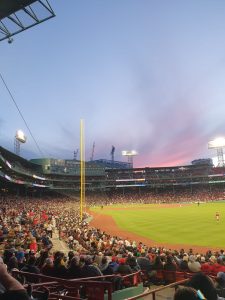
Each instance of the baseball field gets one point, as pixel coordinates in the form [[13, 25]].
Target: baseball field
[[174, 225]]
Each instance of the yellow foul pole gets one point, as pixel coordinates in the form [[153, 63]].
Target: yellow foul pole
[[82, 168]]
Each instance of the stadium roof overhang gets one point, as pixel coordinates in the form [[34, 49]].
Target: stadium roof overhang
[[19, 15]]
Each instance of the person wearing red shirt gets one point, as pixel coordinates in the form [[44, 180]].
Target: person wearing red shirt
[[33, 245], [217, 267], [206, 267]]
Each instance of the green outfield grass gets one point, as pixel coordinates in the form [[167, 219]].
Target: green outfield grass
[[188, 224]]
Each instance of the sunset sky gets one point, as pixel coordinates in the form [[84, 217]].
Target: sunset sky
[[145, 75]]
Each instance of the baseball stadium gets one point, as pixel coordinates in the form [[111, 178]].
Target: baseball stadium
[[173, 206], [72, 229], [177, 211]]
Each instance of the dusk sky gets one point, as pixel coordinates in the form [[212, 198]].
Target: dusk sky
[[144, 75]]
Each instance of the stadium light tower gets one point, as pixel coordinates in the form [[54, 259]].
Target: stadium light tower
[[218, 144], [130, 155], [20, 138]]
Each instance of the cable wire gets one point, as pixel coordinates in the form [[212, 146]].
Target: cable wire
[[14, 101]]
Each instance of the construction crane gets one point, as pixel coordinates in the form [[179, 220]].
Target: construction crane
[[92, 152], [112, 154]]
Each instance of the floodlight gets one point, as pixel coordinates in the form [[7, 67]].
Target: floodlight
[[20, 136], [217, 143], [129, 153], [10, 40]]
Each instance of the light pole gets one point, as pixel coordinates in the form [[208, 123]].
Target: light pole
[[218, 144], [20, 138], [129, 155]]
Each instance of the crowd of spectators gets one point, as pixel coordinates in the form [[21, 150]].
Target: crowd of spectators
[[181, 195], [28, 225]]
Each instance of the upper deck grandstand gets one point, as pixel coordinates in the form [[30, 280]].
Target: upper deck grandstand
[[63, 176]]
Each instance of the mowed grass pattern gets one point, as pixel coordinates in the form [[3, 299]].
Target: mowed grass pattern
[[186, 224]]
